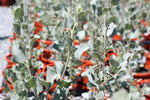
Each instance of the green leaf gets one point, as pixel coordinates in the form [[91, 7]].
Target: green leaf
[[94, 7], [82, 16], [14, 77], [114, 64], [33, 42], [55, 46], [31, 83], [105, 10], [22, 93], [70, 41], [107, 50], [99, 9], [63, 83], [62, 90], [19, 13], [39, 87], [133, 17], [59, 66], [114, 2], [16, 28], [112, 19], [144, 15], [18, 54], [82, 48], [6, 87], [60, 94], [43, 96], [44, 83], [129, 26], [51, 74], [24, 26], [79, 8]]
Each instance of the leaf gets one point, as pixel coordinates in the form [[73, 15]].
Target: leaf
[[39, 86], [31, 83], [81, 35], [93, 2], [79, 8], [60, 94], [114, 2], [129, 26], [6, 87], [69, 20], [82, 16], [33, 42], [18, 54], [38, 64], [62, 90], [63, 83], [19, 13], [105, 10], [94, 7], [86, 95], [113, 61], [107, 50], [16, 28], [125, 77], [22, 93], [114, 64], [126, 55], [70, 41], [91, 78], [135, 34], [24, 26], [44, 83], [55, 46], [99, 9], [14, 77], [123, 65], [111, 30], [134, 93], [112, 19], [120, 95], [51, 74], [59, 66], [82, 48], [144, 15]]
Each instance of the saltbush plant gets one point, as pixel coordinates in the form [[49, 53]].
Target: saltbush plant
[[62, 49]]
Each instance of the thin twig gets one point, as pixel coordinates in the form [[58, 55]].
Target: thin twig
[[68, 56]]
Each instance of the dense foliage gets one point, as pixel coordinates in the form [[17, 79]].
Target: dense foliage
[[67, 48]]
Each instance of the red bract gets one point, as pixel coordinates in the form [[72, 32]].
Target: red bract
[[87, 38], [147, 64], [38, 27], [116, 38], [142, 75], [76, 42], [1, 89], [143, 22]]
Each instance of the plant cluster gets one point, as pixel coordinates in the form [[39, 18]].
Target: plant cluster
[[62, 49]]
